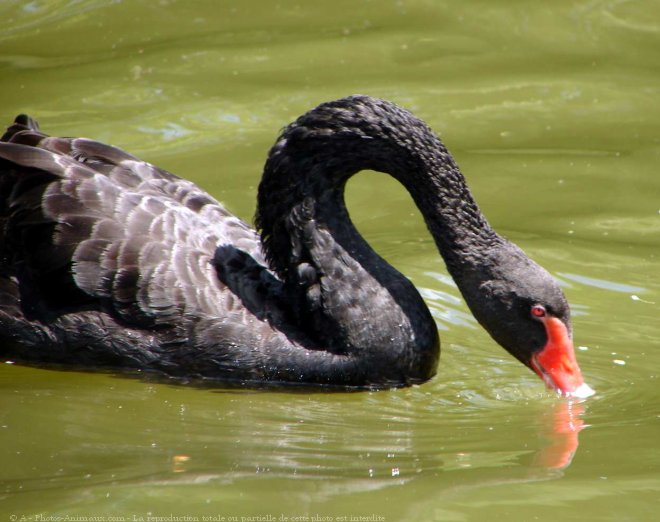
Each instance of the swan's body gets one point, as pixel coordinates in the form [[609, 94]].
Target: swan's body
[[108, 261]]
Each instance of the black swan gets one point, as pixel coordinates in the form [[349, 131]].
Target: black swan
[[110, 262]]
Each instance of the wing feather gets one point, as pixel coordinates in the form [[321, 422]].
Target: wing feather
[[136, 238]]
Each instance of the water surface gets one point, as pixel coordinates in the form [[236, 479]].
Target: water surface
[[551, 111]]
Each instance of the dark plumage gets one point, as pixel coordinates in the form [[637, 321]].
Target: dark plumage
[[107, 261]]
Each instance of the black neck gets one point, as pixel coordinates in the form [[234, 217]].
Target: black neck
[[316, 155], [311, 243]]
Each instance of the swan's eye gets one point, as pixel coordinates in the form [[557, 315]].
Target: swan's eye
[[538, 311]]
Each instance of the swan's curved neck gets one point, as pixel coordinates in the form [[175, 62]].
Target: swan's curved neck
[[342, 289], [314, 157]]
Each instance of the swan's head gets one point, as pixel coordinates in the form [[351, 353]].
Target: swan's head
[[523, 308]]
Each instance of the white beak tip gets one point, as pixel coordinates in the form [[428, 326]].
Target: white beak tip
[[581, 392]]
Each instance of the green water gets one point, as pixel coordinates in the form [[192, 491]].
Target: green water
[[552, 111]]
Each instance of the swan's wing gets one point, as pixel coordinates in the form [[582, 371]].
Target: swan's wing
[[86, 224]]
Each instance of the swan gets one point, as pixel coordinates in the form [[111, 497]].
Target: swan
[[107, 261]]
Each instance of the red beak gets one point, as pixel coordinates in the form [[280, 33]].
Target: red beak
[[556, 363]]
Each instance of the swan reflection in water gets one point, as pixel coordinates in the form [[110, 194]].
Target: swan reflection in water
[[400, 462], [560, 434]]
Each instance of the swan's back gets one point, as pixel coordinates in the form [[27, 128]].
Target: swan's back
[[93, 236]]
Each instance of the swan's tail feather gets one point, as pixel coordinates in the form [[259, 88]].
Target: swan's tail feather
[[22, 125]]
